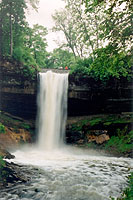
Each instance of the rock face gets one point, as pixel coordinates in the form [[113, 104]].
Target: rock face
[[88, 96], [17, 90], [18, 93]]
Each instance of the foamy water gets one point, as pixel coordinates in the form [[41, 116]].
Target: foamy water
[[70, 174], [60, 172], [52, 110]]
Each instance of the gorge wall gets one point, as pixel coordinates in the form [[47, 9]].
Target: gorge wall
[[18, 93]]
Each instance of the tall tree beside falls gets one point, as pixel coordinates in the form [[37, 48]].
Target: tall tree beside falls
[[35, 39], [12, 24], [82, 31], [117, 24], [64, 23]]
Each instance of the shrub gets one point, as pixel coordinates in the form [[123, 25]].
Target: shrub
[[2, 162], [106, 63], [121, 143], [2, 128], [25, 126]]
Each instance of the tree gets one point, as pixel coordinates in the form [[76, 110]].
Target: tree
[[117, 24], [64, 23], [12, 23], [39, 44], [82, 31], [32, 51], [62, 58]]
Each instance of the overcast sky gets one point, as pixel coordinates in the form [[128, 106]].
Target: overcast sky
[[43, 17]]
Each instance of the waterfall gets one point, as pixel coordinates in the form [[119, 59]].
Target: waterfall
[[52, 110]]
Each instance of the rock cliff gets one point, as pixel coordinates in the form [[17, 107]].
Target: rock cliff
[[18, 93]]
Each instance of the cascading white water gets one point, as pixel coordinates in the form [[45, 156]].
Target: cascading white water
[[52, 109], [92, 175]]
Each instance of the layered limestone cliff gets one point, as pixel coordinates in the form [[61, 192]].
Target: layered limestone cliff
[[18, 93]]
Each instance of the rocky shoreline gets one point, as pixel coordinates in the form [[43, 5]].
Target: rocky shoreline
[[11, 173]]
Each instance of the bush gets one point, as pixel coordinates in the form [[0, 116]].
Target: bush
[[2, 128], [81, 67], [2, 165], [121, 143], [25, 126], [106, 63]]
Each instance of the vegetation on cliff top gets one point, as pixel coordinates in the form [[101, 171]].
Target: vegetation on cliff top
[[97, 40]]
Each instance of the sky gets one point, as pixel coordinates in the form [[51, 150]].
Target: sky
[[43, 17]]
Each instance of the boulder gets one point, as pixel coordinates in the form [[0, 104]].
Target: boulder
[[100, 139], [5, 154]]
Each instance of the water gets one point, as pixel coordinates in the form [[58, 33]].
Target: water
[[69, 174], [60, 172], [52, 110]]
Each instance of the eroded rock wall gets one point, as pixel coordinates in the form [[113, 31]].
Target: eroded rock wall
[[88, 96], [18, 93], [17, 90]]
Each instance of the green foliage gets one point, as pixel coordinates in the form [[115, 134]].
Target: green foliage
[[122, 143], [107, 63], [2, 163], [116, 25], [37, 43], [19, 41], [95, 121], [128, 192], [2, 128], [61, 58], [29, 71], [2, 171], [81, 30], [12, 14], [91, 145], [81, 67], [26, 126]]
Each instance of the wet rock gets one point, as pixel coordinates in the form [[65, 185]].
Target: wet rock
[[100, 139], [5, 154], [11, 174]]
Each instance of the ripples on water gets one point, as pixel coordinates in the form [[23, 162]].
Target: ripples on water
[[70, 176]]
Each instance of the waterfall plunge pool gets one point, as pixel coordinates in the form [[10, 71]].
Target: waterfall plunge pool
[[69, 174], [60, 172]]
